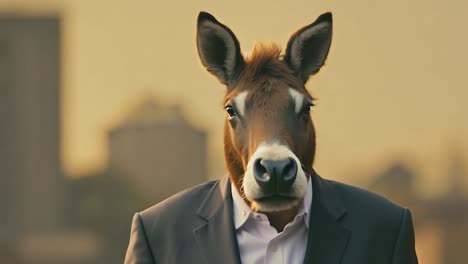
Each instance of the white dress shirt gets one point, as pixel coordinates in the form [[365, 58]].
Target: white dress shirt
[[259, 242]]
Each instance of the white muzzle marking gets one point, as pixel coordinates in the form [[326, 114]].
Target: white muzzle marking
[[252, 190]]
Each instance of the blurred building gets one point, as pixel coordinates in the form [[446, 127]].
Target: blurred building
[[153, 154], [441, 223], [159, 150], [30, 125], [46, 219], [31, 181], [32, 187]]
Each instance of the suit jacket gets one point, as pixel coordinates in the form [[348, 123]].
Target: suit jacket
[[347, 225]]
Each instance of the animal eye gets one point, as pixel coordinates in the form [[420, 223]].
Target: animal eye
[[307, 107], [230, 111], [305, 113]]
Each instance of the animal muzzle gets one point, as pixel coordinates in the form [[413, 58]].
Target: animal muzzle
[[274, 180], [275, 176]]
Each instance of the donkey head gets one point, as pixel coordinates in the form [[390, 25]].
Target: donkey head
[[269, 137]]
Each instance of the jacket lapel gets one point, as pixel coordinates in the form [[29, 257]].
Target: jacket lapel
[[216, 238], [327, 238]]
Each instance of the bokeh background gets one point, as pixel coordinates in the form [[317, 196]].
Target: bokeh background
[[106, 110]]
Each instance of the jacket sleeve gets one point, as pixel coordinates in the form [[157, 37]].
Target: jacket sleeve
[[138, 251], [404, 251]]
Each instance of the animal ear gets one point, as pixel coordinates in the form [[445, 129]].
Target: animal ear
[[308, 48], [219, 49]]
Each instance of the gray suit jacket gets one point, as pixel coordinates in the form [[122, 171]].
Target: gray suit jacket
[[347, 225]]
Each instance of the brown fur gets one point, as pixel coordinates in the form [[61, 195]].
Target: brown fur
[[267, 79]]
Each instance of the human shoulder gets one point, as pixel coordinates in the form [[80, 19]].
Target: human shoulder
[[385, 227], [368, 205], [178, 206]]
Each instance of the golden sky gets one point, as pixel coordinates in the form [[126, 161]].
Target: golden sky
[[394, 86]]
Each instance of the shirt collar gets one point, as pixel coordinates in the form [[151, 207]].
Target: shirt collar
[[242, 211]]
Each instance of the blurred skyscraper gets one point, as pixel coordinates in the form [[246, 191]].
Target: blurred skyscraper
[[33, 191], [31, 184]]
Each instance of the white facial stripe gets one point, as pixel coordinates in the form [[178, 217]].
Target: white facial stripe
[[239, 100], [298, 99]]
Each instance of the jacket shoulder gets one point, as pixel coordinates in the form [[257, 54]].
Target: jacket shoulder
[[383, 226], [366, 204], [178, 206]]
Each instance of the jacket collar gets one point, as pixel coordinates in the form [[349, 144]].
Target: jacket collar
[[327, 237], [329, 199], [216, 238], [218, 197]]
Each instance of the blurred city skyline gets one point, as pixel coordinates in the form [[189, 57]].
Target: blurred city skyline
[[393, 87], [99, 112]]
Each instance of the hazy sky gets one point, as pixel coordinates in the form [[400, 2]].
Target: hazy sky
[[395, 83]]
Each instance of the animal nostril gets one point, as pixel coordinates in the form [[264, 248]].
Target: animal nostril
[[275, 175], [289, 172], [262, 177], [260, 171]]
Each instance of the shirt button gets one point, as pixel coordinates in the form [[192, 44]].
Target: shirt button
[[243, 213]]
